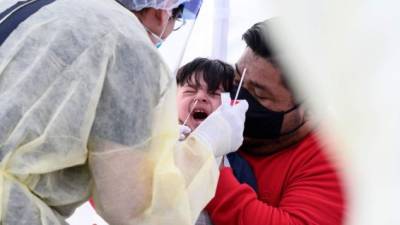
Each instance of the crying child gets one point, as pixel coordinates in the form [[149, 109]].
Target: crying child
[[200, 84]]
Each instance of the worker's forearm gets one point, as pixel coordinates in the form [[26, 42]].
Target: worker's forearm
[[198, 166]]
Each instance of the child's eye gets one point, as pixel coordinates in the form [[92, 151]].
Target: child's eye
[[215, 93], [189, 91]]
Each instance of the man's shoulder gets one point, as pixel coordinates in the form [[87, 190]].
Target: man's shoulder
[[310, 144], [311, 151]]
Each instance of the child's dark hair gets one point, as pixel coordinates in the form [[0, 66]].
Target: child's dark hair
[[214, 72]]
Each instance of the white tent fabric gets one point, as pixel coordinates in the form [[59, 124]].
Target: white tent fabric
[[220, 29]]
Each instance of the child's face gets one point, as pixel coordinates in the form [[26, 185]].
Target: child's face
[[206, 104]]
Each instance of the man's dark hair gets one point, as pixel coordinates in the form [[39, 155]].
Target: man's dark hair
[[258, 38], [214, 72]]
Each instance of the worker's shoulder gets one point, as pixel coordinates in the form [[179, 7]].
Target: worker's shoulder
[[68, 28], [95, 16], [89, 19]]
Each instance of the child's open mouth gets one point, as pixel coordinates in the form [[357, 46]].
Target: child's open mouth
[[199, 114]]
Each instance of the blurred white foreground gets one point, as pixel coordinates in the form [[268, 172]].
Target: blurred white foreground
[[344, 55]]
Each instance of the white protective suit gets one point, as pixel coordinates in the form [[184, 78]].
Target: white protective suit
[[86, 101]]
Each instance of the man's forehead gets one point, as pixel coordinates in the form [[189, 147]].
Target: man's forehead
[[250, 59], [247, 55], [253, 69], [242, 60], [259, 71]]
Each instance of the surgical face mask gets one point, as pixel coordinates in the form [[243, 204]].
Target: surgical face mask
[[159, 40], [261, 122]]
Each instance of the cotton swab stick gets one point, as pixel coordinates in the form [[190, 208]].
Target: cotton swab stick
[[240, 85], [194, 105]]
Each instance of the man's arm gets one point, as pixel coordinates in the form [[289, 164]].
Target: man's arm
[[312, 196]]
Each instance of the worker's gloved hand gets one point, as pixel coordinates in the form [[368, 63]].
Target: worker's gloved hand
[[183, 132], [223, 129]]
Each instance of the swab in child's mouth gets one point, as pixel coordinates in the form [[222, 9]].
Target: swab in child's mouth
[[193, 106]]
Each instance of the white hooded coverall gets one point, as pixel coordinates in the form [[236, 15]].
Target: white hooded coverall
[[87, 104]]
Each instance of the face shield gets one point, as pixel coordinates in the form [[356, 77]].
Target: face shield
[[137, 5], [173, 49]]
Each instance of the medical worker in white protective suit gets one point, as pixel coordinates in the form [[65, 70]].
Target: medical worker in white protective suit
[[86, 103]]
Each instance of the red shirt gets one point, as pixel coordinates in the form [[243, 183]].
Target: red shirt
[[296, 186]]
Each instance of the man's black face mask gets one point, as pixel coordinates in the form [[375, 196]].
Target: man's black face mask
[[261, 122]]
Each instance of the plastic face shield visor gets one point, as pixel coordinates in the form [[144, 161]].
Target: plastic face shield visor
[[189, 10], [174, 47], [186, 12]]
